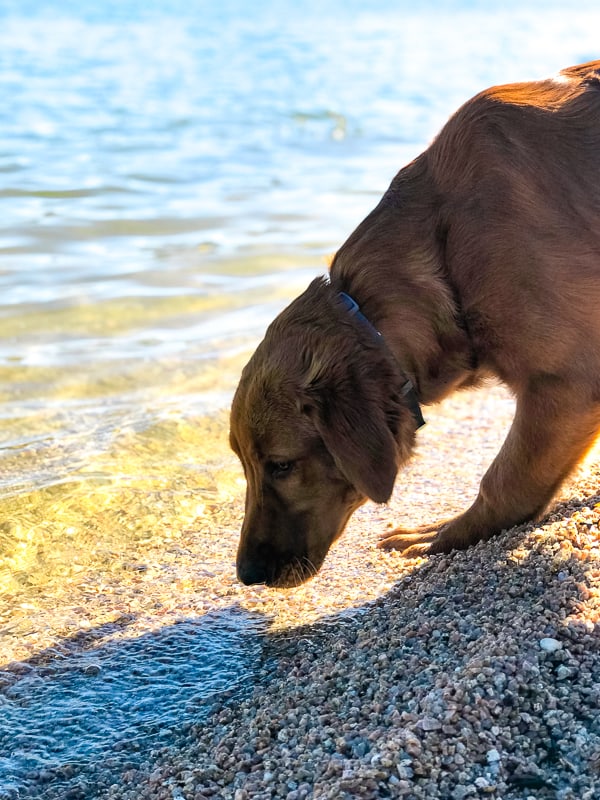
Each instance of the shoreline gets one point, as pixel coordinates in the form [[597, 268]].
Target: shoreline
[[381, 677]]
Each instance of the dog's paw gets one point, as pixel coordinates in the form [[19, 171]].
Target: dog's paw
[[412, 544]]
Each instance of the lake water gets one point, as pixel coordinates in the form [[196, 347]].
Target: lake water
[[171, 175]]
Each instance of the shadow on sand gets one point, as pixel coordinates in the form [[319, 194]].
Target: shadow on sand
[[101, 698], [99, 706]]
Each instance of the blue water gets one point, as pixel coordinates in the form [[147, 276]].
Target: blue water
[[171, 175], [153, 150]]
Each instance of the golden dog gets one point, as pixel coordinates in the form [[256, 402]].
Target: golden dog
[[481, 259]]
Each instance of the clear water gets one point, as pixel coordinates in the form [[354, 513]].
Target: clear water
[[171, 175]]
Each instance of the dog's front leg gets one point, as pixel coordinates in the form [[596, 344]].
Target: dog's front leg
[[554, 426]]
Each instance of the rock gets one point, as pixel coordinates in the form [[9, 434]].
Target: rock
[[563, 672], [429, 724], [550, 645]]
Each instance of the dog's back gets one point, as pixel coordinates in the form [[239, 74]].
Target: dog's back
[[518, 168]]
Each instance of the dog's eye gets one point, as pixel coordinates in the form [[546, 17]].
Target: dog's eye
[[280, 469]]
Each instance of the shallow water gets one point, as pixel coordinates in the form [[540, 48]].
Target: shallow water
[[171, 175]]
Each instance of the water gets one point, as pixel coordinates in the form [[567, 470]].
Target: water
[[171, 175]]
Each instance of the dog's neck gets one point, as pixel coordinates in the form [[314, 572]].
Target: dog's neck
[[407, 389], [393, 267]]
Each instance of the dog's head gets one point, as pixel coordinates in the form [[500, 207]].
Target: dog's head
[[320, 425]]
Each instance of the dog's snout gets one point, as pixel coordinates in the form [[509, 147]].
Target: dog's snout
[[264, 564], [255, 563], [252, 571]]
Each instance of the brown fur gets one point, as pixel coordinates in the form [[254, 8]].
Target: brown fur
[[481, 259]]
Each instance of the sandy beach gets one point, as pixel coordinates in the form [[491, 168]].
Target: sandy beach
[[470, 675]]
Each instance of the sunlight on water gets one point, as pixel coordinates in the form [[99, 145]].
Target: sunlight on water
[[114, 433], [116, 500], [170, 178], [111, 506]]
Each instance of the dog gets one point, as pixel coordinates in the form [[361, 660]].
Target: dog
[[481, 259]]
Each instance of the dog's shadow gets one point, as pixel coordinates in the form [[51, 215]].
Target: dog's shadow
[[100, 701]]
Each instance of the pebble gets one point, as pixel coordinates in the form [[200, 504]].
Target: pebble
[[550, 645], [429, 724], [562, 672]]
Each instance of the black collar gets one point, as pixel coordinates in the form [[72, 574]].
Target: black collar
[[407, 390]]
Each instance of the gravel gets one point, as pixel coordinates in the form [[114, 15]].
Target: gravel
[[441, 689], [475, 674]]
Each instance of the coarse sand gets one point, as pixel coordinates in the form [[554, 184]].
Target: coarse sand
[[474, 674]]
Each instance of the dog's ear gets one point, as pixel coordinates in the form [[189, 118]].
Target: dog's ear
[[354, 427]]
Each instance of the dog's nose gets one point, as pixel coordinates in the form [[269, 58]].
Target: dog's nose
[[250, 572]]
